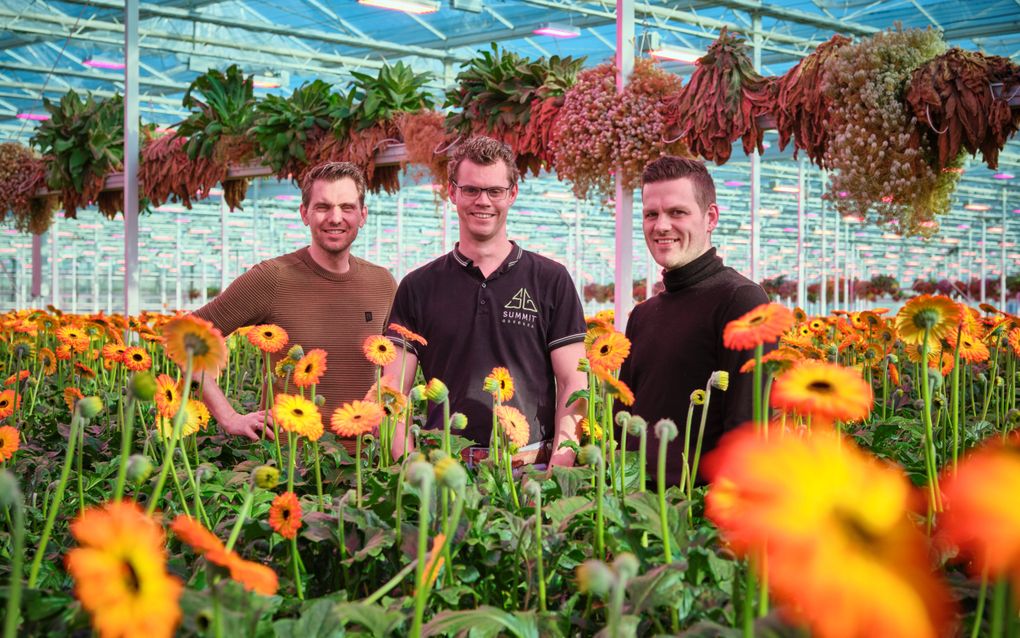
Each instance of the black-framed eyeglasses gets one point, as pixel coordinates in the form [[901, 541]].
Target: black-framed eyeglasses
[[495, 193]]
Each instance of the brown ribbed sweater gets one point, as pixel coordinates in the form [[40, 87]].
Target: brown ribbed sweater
[[318, 309]]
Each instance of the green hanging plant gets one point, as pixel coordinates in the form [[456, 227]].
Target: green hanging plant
[[289, 131], [396, 89], [513, 99], [84, 140]]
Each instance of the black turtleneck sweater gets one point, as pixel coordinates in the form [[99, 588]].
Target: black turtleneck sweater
[[676, 344]]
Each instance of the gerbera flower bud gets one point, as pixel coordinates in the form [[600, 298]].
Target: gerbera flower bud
[[590, 455], [698, 397], [142, 386], [22, 350], [9, 491], [436, 391], [319, 400], [89, 407], [139, 468], [636, 425], [665, 429], [720, 380], [533, 490], [451, 474], [437, 455], [458, 421], [490, 385], [583, 365], [622, 418], [626, 566], [295, 352], [594, 577], [892, 358], [417, 393], [421, 474], [265, 477], [206, 470]]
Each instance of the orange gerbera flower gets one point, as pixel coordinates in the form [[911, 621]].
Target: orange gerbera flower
[[310, 368], [15, 378], [761, 325], [74, 338], [252, 576], [780, 358], [285, 515], [822, 389], [198, 411], [114, 351], [63, 352], [614, 386], [195, 535], [168, 396], [939, 314], [393, 400], [299, 415], [10, 440], [356, 418], [379, 350], [84, 371], [1014, 340], [833, 524], [120, 575], [981, 517], [9, 402], [972, 350], [48, 361], [818, 325], [500, 384], [407, 335], [137, 359], [514, 425], [596, 328], [894, 374], [609, 351], [71, 397], [268, 337], [190, 334]]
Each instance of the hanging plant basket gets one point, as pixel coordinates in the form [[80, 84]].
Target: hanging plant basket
[[167, 174], [22, 175], [425, 140]]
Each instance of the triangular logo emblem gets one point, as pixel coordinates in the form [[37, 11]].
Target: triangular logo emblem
[[522, 301]]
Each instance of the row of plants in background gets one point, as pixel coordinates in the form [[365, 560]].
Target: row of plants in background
[[897, 103], [156, 520]]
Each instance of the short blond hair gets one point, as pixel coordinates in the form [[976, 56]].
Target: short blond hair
[[485, 151], [333, 172]]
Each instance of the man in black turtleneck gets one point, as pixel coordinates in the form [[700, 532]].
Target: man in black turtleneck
[[676, 336]]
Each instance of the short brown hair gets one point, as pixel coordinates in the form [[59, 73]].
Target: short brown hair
[[670, 167], [485, 151], [333, 172]]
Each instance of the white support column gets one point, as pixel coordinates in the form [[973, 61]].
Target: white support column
[[109, 287], [37, 267], [801, 200], [205, 281], [624, 296], [178, 293], [162, 290], [95, 283], [1002, 256], [823, 273], [755, 243], [400, 236], [74, 284], [55, 263], [224, 253], [131, 61], [835, 262], [254, 228], [578, 249], [847, 265], [983, 269]]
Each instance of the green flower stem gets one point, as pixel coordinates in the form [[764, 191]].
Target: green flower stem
[[929, 437], [297, 569], [80, 474], [954, 413], [292, 461], [508, 461], [600, 495], [539, 564], [446, 427], [642, 459], [999, 618], [701, 436], [747, 609], [992, 371], [759, 416], [126, 433], [607, 432], [449, 529], [885, 387], [13, 611], [174, 437], [763, 590], [268, 408], [342, 533], [193, 482], [623, 460], [357, 472], [54, 506], [390, 584], [421, 589], [407, 426], [318, 477], [179, 491], [398, 513], [242, 516], [980, 610], [667, 553], [685, 472]]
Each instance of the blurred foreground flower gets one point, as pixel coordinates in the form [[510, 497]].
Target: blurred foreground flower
[[204, 341], [823, 390], [764, 324], [938, 315], [832, 522], [252, 576]]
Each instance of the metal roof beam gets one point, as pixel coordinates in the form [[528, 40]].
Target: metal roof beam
[[282, 30], [794, 15], [984, 30], [88, 75]]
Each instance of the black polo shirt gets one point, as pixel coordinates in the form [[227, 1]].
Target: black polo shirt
[[524, 310]]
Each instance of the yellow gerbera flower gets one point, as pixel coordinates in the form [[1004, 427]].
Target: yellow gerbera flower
[[609, 351], [822, 389], [939, 314], [298, 415], [268, 337], [514, 425], [203, 340], [379, 350], [500, 384]]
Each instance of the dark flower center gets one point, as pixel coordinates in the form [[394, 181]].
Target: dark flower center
[[285, 513], [754, 321], [821, 387], [604, 350], [131, 577], [299, 412]]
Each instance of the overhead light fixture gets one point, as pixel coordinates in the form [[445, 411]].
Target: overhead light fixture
[[35, 117], [271, 80], [474, 6], [557, 30], [785, 188], [417, 7], [655, 47], [103, 64], [976, 207], [1003, 176]]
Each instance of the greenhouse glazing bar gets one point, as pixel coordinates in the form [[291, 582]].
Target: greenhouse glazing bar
[[623, 298], [131, 66]]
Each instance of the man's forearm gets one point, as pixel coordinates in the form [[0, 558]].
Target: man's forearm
[[217, 402]]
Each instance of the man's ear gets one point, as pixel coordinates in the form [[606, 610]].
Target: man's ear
[[713, 216]]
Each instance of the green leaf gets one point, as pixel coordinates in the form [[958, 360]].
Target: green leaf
[[484, 622], [561, 511], [659, 587], [378, 621], [319, 620]]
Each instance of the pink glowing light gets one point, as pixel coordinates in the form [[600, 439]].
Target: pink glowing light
[[35, 117], [558, 31], [104, 64]]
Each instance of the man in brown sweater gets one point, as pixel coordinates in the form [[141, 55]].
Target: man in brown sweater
[[323, 296]]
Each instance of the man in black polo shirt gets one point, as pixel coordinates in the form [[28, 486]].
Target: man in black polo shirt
[[490, 303], [676, 336]]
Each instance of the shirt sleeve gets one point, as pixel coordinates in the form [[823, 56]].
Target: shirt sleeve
[[246, 301], [566, 316], [404, 313], [739, 403]]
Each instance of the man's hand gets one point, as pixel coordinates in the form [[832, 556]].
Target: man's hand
[[564, 457], [249, 425]]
